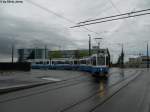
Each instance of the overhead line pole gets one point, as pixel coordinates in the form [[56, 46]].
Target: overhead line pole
[[122, 57], [89, 44], [12, 53], [45, 52], [147, 56]]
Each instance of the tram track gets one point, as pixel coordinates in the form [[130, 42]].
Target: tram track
[[55, 87], [113, 94], [66, 83], [95, 93]]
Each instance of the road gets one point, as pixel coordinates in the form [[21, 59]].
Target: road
[[74, 91]]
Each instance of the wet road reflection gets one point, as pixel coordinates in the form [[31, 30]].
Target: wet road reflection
[[102, 84], [79, 92], [101, 88], [113, 78]]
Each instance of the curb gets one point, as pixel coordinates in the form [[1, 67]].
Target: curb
[[21, 87]]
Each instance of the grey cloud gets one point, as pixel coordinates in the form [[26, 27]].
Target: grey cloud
[[29, 33], [25, 33], [144, 4]]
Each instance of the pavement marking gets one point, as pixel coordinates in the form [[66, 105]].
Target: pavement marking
[[51, 79]]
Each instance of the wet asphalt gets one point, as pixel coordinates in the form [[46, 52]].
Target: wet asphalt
[[81, 92]]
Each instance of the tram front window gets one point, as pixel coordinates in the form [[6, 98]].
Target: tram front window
[[100, 60]]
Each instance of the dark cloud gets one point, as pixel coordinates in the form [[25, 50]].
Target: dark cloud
[[23, 34]]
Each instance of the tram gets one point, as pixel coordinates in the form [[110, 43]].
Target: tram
[[97, 64]]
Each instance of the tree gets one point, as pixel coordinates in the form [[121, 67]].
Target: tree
[[83, 54], [55, 54]]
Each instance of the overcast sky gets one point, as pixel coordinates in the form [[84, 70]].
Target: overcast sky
[[36, 23]]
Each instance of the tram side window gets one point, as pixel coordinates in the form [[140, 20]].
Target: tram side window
[[83, 62], [75, 62], [40, 62], [53, 62], [94, 61], [88, 61], [66, 62], [37, 63]]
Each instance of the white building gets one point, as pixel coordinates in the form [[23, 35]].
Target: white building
[[140, 62]]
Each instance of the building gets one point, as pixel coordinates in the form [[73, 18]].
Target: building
[[32, 54], [140, 62]]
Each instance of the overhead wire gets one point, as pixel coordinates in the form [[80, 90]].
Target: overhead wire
[[117, 9], [129, 16], [59, 16], [52, 12], [128, 13], [125, 21]]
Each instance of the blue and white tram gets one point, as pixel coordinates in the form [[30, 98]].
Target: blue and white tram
[[94, 64]]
